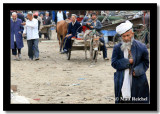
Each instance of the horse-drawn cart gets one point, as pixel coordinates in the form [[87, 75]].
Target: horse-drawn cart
[[88, 41]]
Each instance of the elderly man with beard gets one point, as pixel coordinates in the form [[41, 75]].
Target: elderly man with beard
[[131, 61], [16, 36]]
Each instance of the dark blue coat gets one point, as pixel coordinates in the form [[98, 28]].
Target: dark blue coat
[[47, 21], [73, 29], [15, 28], [21, 16], [140, 65]]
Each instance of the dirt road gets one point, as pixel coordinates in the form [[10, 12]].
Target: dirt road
[[54, 79]]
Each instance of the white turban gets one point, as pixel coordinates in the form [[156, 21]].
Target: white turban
[[124, 27]]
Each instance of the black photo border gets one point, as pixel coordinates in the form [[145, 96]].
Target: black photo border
[[79, 107]]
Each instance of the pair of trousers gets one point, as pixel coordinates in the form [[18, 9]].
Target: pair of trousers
[[33, 50], [104, 49], [46, 35], [67, 43], [14, 51]]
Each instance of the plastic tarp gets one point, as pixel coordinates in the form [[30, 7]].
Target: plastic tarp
[[108, 32]]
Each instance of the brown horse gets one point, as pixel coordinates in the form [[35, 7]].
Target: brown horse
[[62, 27]]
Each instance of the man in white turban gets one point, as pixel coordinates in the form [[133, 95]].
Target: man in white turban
[[130, 59]]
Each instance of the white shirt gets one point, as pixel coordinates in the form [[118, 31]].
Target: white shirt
[[31, 29], [14, 38], [59, 16], [95, 23], [46, 17], [73, 23], [14, 33], [127, 81]]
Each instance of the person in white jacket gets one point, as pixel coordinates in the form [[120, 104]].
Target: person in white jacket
[[31, 30]]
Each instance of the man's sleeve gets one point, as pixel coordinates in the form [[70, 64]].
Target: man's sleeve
[[84, 21], [98, 26], [119, 64], [33, 25], [142, 67], [25, 30]]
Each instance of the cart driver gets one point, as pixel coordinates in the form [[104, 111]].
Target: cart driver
[[96, 24], [73, 28]]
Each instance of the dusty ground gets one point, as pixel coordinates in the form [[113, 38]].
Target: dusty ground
[[54, 79]]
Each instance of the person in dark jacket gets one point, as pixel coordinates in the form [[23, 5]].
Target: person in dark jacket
[[73, 28], [20, 16], [93, 23], [131, 61], [47, 21]]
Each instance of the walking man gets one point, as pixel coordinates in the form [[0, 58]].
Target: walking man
[[16, 36], [31, 29]]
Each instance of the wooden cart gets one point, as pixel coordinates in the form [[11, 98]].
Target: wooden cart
[[46, 29], [92, 44]]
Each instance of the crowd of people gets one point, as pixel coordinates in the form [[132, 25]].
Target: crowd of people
[[129, 57], [32, 24], [29, 26]]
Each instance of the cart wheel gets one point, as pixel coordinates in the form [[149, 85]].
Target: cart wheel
[[69, 54]]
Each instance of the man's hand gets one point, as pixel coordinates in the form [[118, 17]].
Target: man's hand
[[23, 35], [19, 32], [131, 61], [133, 73], [88, 23], [68, 35], [24, 23], [91, 26]]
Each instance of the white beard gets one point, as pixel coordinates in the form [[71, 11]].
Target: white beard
[[126, 45]]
